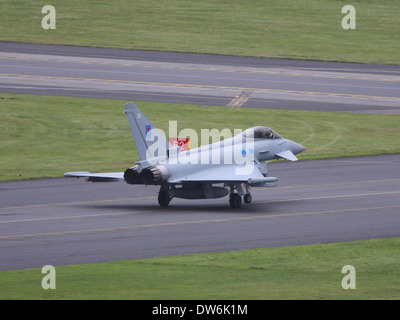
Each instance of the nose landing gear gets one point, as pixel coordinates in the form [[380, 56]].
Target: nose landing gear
[[247, 198]]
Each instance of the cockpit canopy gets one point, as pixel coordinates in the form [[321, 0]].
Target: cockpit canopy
[[260, 132]]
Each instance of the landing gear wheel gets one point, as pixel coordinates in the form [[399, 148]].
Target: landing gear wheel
[[163, 198], [247, 198], [235, 200]]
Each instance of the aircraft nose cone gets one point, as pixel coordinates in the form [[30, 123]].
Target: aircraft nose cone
[[297, 147]]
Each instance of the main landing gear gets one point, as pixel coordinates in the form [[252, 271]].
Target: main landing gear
[[163, 197], [235, 195], [235, 199]]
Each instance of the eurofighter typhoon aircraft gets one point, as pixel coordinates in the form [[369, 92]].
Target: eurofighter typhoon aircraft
[[231, 166]]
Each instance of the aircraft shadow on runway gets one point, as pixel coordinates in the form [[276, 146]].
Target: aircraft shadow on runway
[[196, 207]]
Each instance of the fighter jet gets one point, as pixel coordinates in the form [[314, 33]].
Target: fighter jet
[[231, 166]]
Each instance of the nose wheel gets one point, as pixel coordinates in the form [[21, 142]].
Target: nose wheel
[[247, 198]]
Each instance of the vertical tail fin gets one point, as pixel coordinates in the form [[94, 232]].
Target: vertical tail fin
[[142, 130]]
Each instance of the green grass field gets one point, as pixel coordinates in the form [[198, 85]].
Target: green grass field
[[286, 29], [44, 136], [302, 272]]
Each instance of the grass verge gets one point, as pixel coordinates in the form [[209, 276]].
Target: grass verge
[[301, 272], [45, 136], [285, 29]]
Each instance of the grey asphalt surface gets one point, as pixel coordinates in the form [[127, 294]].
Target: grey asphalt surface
[[69, 221], [199, 79]]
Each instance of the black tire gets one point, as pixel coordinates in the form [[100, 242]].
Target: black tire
[[235, 200], [163, 199], [247, 198]]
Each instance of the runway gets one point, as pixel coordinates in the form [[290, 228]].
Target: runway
[[199, 79], [68, 221]]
